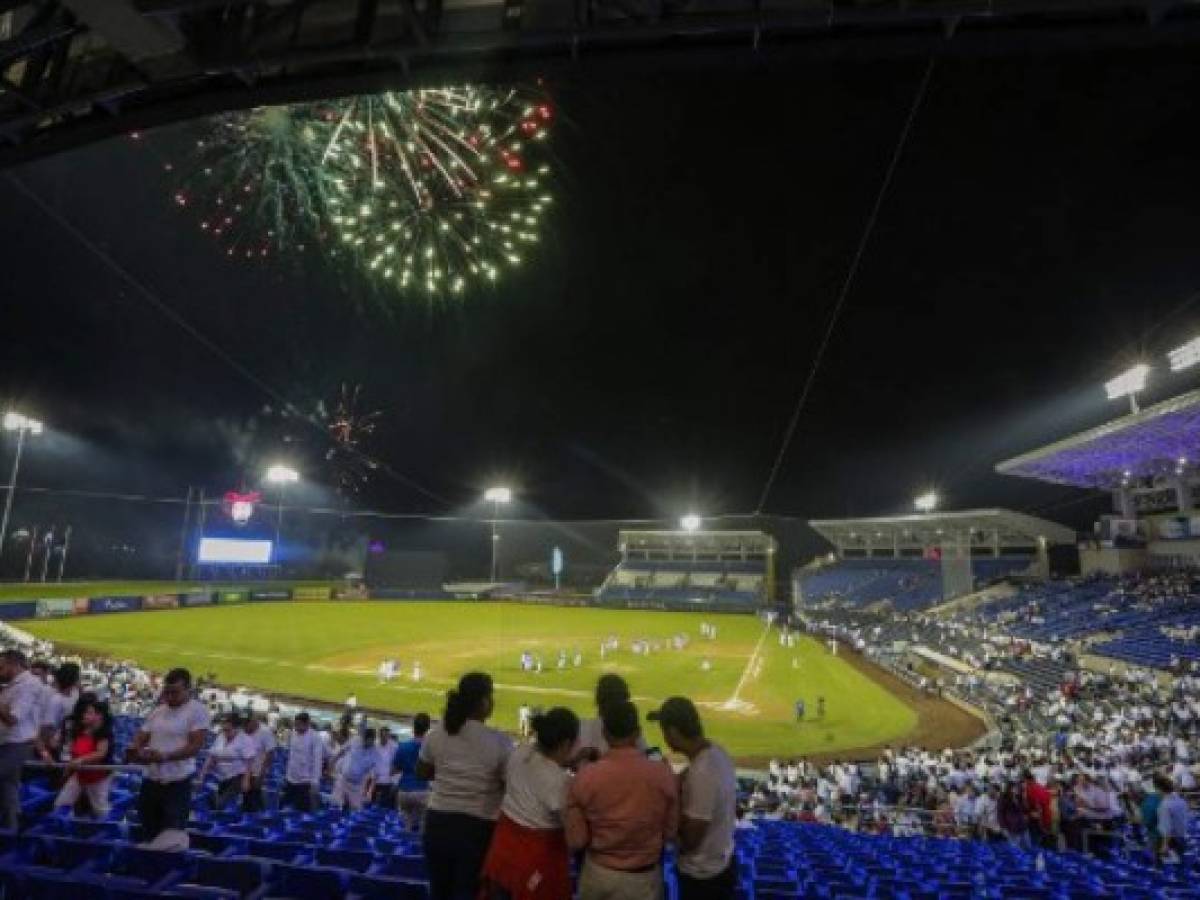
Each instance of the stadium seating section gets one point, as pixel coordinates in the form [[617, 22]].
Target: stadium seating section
[[907, 584], [1129, 619], [369, 854]]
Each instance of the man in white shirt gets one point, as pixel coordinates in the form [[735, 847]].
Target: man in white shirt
[[384, 793], [306, 760], [708, 805], [57, 703], [260, 767], [167, 744], [231, 757], [20, 712], [356, 772]]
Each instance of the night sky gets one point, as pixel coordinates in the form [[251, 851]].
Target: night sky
[[1040, 234]]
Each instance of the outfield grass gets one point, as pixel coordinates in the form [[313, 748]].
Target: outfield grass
[[325, 651], [17, 591]]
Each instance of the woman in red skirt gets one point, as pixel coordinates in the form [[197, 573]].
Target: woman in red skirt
[[528, 857]]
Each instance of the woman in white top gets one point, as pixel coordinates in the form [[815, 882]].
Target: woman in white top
[[230, 757], [465, 760], [528, 859], [610, 688]]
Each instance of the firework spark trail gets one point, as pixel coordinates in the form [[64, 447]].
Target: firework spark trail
[[432, 187]]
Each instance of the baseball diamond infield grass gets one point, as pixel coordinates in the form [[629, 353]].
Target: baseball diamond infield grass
[[745, 683]]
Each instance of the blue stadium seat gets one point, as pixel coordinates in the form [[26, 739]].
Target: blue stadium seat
[[412, 868], [246, 877], [279, 851], [354, 860], [61, 886], [308, 882], [379, 887]]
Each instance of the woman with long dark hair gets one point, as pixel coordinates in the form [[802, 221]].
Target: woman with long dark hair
[[528, 859], [465, 760], [91, 745]]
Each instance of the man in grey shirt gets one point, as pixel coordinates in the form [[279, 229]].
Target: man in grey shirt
[[707, 808]]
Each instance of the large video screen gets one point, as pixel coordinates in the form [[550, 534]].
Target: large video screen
[[233, 550]]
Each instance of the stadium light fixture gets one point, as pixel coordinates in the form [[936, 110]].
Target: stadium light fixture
[[496, 496], [278, 474], [1129, 384], [927, 502], [281, 476], [1186, 356], [691, 522], [22, 425], [14, 421]]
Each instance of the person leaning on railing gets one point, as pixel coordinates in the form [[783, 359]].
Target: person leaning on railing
[[91, 747]]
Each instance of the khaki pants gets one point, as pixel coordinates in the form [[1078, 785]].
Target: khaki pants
[[97, 794], [347, 794], [599, 883], [412, 805]]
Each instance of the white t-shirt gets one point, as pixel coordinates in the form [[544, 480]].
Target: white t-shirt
[[383, 762], [306, 756], [264, 742], [710, 795], [233, 757], [468, 769], [57, 706], [169, 727], [591, 734], [535, 790], [23, 697]]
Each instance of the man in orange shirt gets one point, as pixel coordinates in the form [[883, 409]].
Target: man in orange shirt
[[622, 810]]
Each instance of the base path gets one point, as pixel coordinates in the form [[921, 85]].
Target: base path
[[735, 701]]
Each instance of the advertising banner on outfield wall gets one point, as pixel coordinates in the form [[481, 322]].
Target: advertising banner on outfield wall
[[197, 598], [81, 605], [54, 606], [231, 596], [312, 593], [114, 604], [281, 594], [10, 612], [160, 601]]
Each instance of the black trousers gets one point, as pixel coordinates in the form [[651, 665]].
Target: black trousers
[[719, 887], [227, 791], [384, 795], [298, 796], [163, 805], [252, 800], [455, 846]]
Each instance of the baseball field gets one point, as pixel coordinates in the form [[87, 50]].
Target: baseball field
[[745, 681]]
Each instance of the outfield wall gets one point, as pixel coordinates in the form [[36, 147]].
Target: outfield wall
[[105, 604], [108, 604]]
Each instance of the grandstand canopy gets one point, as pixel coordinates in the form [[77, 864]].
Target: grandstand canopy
[[996, 528], [1141, 445], [713, 546]]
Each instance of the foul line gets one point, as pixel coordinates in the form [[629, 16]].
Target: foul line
[[733, 701]]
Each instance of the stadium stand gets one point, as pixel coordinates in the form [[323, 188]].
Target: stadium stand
[[891, 817], [914, 561], [726, 570], [1147, 461]]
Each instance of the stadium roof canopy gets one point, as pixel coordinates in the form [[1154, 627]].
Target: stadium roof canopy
[[1014, 529], [1141, 445]]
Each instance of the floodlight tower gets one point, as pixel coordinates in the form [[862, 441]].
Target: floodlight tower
[[496, 496], [927, 502], [281, 476], [1129, 384], [1185, 356], [691, 522], [22, 425]]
